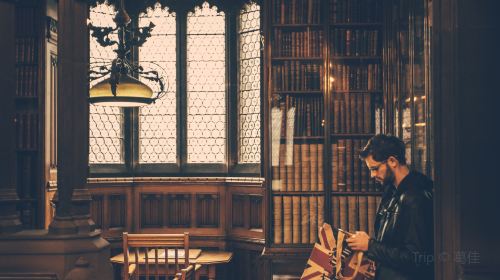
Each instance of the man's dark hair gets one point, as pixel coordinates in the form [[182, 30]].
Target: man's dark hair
[[381, 147]]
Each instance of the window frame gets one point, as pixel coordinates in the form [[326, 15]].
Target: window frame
[[133, 168]]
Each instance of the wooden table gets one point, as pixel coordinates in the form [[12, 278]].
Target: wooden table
[[208, 260]]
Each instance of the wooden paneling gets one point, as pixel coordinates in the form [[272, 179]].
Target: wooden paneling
[[256, 211], [151, 210], [97, 210], [246, 213], [117, 210], [178, 210], [238, 211], [207, 210], [204, 209]]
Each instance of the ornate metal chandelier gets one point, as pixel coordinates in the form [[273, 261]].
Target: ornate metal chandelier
[[123, 88]]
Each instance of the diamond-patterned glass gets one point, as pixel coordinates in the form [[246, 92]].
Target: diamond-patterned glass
[[206, 77], [157, 122], [249, 84], [106, 123]]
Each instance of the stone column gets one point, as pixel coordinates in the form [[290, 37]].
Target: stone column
[[73, 200], [9, 217]]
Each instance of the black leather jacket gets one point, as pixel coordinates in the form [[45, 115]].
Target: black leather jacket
[[403, 247]]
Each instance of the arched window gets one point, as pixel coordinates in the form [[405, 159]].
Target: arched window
[[211, 59]]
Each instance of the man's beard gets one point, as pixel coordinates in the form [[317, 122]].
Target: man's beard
[[388, 179]]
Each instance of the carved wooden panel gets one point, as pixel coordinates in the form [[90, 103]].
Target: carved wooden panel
[[178, 210], [255, 211], [117, 210], [97, 210], [151, 210], [207, 210], [238, 211]]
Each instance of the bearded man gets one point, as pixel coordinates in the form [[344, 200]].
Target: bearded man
[[403, 244]]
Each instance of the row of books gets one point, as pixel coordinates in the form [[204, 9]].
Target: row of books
[[308, 43], [355, 212], [27, 81], [26, 50], [356, 77], [354, 42], [349, 172], [301, 116], [296, 11], [27, 18], [297, 218], [300, 168], [352, 113], [354, 11], [27, 130], [297, 75]]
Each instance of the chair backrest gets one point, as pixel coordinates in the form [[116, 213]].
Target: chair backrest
[[145, 251]]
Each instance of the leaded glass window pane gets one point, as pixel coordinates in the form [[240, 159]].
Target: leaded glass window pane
[[249, 84], [157, 122], [106, 123], [206, 77]]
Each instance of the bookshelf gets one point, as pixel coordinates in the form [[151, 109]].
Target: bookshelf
[[28, 114], [409, 84], [325, 100], [356, 94]]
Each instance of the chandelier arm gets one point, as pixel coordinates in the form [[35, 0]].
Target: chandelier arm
[[141, 35], [102, 35]]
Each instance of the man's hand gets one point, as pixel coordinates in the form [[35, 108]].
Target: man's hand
[[359, 241]]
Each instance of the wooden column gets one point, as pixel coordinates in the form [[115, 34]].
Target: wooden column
[[73, 200], [466, 70], [9, 217]]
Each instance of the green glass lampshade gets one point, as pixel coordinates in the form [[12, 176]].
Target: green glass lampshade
[[130, 92]]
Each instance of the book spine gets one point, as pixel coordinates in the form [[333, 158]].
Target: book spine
[[335, 167], [344, 219], [372, 204], [306, 168], [313, 216], [352, 207], [296, 220], [314, 166], [342, 164], [304, 201], [321, 209], [363, 213], [287, 219], [321, 183], [297, 167], [282, 168], [278, 225]]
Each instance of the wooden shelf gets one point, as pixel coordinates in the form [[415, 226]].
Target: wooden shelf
[[298, 192]]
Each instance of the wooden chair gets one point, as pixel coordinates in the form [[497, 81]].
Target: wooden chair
[[189, 273], [142, 255]]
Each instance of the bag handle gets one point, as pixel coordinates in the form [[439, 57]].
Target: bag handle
[[338, 267]]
